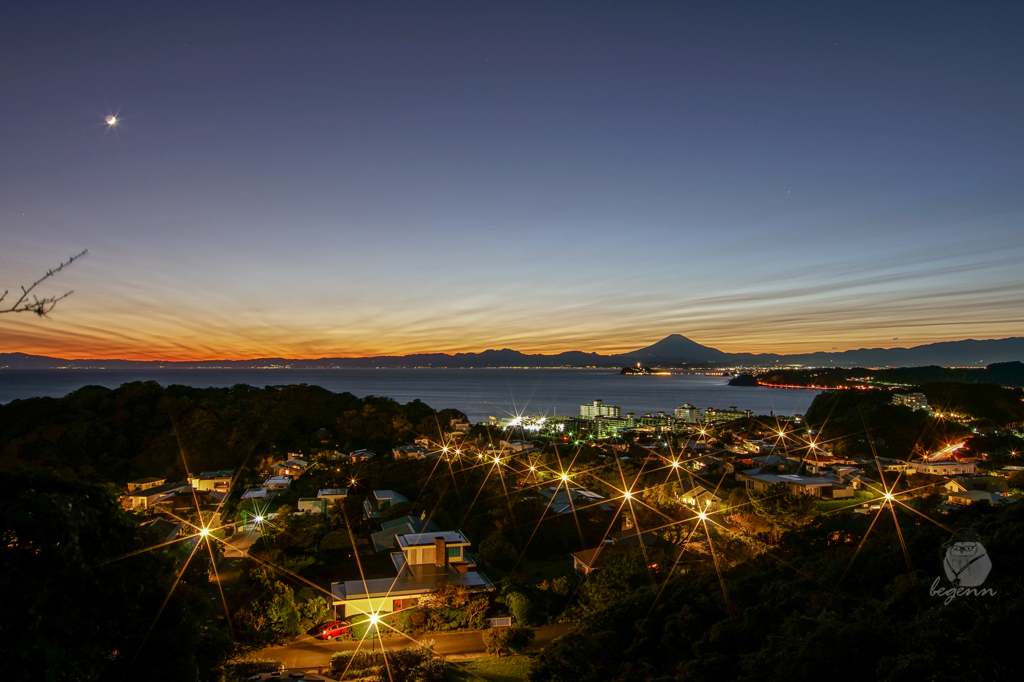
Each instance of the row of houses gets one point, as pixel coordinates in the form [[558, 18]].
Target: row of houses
[[280, 479], [157, 494]]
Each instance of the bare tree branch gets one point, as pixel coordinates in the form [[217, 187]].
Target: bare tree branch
[[39, 306]]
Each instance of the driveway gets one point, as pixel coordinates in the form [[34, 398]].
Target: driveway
[[307, 652], [238, 544]]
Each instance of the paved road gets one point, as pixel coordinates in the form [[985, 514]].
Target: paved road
[[238, 544], [307, 652]]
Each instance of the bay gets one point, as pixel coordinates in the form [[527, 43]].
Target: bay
[[479, 393]]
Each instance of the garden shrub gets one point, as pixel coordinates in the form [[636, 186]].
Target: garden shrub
[[243, 670]]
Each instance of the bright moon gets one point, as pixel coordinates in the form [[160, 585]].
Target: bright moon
[[111, 120]]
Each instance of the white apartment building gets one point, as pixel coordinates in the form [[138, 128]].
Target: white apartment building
[[599, 409]]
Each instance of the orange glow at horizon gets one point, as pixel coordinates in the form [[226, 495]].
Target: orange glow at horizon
[[160, 315]]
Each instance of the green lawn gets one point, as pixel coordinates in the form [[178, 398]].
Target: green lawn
[[859, 497], [492, 669]]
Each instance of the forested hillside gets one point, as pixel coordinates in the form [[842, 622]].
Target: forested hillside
[[144, 429]]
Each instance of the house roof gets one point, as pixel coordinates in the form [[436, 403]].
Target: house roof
[[333, 492], [418, 525], [588, 557], [144, 481], [386, 538], [160, 490], [708, 461], [226, 473], [255, 493], [161, 529], [771, 460], [983, 496], [807, 481], [409, 582], [565, 500], [688, 485], [633, 537], [380, 495], [451, 537]]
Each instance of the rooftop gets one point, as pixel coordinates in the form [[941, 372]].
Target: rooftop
[[227, 473], [333, 492], [385, 539], [159, 490], [809, 481], [451, 537], [409, 582], [389, 495], [144, 481]]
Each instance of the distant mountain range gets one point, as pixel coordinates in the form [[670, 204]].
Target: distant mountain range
[[674, 350]]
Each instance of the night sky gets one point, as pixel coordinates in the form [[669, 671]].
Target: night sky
[[306, 179]]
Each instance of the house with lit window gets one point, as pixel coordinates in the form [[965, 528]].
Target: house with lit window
[[145, 498], [944, 468], [696, 496], [145, 483], [212, 480], [423, 562], [332, 495]]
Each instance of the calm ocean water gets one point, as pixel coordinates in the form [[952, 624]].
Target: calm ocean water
[[479, 393]]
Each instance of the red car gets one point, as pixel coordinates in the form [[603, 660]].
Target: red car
[[334, 629]]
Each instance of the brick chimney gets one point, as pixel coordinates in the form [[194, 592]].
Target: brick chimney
[[440, 553]]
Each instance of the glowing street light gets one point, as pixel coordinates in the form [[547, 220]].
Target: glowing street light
[[628, 495]]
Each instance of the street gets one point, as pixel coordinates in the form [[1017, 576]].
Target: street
[[307, 652]]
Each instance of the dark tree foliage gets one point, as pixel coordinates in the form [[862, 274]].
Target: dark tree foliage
[[981, 401], [860, 423], [1002, 373], [807, 613], [75, 606], [143, 429]]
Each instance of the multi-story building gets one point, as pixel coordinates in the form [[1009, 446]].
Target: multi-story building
[[599, 409], [714, 416], [915, 401], [688, 414]]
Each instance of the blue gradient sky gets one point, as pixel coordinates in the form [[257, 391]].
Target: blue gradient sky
[[309, 179]]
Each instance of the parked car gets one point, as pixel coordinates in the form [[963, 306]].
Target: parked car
[[334, 629]]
